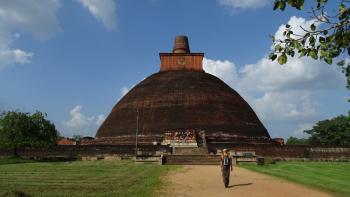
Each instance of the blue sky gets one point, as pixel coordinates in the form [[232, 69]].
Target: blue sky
[[74, 59]]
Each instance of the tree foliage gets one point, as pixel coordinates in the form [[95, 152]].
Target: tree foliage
[[78, 139], [326, 39], [19, 129], [334, 132], [297, 141]]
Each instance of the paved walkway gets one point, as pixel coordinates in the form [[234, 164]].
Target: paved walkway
[[205, 181]]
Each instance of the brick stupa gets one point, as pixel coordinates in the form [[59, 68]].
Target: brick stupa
[[181, 96]]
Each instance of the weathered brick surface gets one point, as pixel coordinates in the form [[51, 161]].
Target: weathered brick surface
[[186, 61], [287, 151], [182, 96], [182, 99], [78, 151]]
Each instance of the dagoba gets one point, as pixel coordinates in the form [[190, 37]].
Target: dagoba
[[181, 96]]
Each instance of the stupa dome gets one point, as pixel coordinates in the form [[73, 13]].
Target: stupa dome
[[182, 95]]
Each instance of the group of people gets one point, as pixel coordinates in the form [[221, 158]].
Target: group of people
[[226, 167]]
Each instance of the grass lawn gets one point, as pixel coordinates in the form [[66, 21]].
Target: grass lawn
[[13, 160], [80, 178], [328, 176]]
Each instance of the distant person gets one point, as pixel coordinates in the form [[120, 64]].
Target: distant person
[[226, 166]]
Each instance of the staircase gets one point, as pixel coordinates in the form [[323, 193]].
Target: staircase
[[190, 151], [192, 160], [191, 156]]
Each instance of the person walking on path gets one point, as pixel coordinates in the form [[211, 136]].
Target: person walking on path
[[226, 166]]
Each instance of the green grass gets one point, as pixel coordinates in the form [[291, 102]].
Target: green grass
[[13, 160], [81, 178], [328, 176]]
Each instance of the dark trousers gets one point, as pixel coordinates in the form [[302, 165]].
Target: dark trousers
[[226, 175]]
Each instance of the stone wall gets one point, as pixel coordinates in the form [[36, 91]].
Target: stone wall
[[286, 151], [76, 151], [265, 150]]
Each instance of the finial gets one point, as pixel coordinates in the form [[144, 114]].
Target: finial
[[181, 45]]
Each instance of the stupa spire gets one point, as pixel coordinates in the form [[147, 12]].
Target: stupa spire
[[181, 44], [181, 57]]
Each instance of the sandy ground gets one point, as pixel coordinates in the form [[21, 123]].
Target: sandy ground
[[206, 181]]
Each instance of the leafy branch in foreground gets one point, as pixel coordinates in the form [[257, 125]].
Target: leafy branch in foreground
[[326, 39]]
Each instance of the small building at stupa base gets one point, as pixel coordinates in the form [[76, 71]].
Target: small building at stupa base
[[182, 106]]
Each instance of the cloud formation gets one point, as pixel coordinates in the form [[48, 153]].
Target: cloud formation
[[81, 124], [104, 11], [13, 56], [281, 94], [277, 97], [100, 119], [244, 4], [39, 18], [36, 17], [225, 69], [299, 131]]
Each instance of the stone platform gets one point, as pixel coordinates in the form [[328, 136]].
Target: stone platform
[[200, 156], [190, 151], [191, 160]]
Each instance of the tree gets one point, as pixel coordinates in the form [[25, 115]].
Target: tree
[[334, 132], [19, 129], [78, 138], [326, 39], [297, 141]]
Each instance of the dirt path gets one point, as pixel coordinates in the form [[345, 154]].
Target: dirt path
[[206, 181]]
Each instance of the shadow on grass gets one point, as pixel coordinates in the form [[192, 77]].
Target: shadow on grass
[[19, 160], [16, 194], [14, 160]]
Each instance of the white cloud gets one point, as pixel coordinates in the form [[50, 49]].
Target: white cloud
[[299, 132], [8, 57], [244, 4], [297, 24], [274, 97], [79, 123], [103, 10], [296, 74], [225, 70], [37, 17], [278, 94], [77, 119], [100, 119], [123, 91], [287, 106], [40, 19], [282, 95]]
